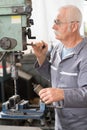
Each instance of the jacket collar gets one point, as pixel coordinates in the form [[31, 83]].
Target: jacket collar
[[77, 49]]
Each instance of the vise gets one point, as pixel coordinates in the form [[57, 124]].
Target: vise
[[15, 108]]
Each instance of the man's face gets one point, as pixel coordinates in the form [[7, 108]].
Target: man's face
[[62, 28]]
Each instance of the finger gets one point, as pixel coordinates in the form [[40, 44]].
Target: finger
[[45, 99], [43, 95], [42, 91], [44, 44]]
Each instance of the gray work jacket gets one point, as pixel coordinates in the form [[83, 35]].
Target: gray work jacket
[[70, 74]]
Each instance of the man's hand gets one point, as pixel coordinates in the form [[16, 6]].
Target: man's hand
[[50, 95], [40, 50]]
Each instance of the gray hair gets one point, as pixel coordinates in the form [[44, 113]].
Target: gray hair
[[72, 13]]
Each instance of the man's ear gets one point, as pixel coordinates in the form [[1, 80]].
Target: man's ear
[[74, 26]]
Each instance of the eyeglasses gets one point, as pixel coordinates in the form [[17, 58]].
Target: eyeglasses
[[58, 22]]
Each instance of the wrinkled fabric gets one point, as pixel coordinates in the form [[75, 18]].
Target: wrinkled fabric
[[70, 74]]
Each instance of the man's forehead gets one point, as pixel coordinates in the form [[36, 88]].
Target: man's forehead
[[60, 14]]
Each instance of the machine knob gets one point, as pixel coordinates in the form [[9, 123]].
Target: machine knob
[[7, 43]]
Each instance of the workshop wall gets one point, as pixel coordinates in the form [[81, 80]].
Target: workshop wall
[[44, 12]]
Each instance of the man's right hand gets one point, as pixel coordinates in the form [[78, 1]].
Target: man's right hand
[[40, 50]]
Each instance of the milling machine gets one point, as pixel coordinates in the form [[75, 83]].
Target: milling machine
[[15, 26], [15, 23]]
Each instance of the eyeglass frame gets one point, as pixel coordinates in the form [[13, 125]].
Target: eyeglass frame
[[58, 22]]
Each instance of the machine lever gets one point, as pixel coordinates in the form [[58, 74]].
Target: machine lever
[[31, 44]]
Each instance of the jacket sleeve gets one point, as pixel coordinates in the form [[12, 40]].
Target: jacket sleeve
[[44, 69], [75, 98]]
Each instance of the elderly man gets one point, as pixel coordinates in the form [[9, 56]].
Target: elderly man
[[67, 70]]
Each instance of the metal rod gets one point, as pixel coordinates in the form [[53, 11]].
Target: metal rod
[[48, 106], [31, 44]]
